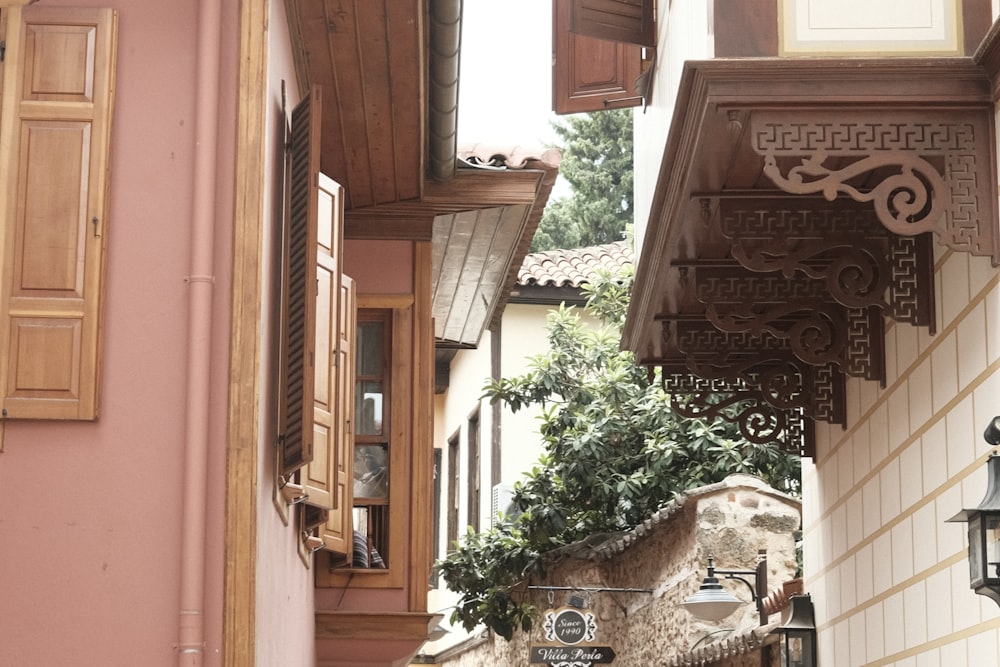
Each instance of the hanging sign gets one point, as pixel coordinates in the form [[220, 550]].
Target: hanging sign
[[572, 656], [573, 630]]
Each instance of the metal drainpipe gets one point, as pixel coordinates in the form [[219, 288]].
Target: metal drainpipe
[[191, 636]]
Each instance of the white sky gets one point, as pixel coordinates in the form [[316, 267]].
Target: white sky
[[505, 91]]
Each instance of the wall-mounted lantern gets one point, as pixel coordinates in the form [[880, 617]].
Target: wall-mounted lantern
[[798, 634], [714, 603], [984, 527]]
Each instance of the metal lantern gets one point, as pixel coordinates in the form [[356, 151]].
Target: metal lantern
[[798, 634], [984, 536]]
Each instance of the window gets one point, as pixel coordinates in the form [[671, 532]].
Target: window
[[438, 461], [475, 466], [317, 346], [377, 494], [54, 166], [453, 487], [373, 420]]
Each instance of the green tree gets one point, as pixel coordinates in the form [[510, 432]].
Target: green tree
[[597, 165], [614, 453]]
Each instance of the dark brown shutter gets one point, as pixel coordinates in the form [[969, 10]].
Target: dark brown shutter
[[300, 312], [629, 21], [590, 74]]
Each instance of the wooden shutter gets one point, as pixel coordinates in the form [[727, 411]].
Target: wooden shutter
[[337, 533], [590, 74], [629, 21], [58, 94], [300, 285], [320, 476]]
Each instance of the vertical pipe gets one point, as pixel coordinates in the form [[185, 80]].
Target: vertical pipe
[[191, 624]]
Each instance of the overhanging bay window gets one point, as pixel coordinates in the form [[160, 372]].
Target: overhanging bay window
[[380, 421]]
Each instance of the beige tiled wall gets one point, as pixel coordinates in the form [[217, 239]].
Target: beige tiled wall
[[888, 575]]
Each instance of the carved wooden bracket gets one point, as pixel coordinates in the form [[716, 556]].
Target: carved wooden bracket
[[795, 218], [759, 421], [921, 170]]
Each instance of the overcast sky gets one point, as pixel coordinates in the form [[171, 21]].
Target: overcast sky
[[505, 91]]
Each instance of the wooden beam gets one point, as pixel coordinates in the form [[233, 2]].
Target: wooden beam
[[239, 609], [485, 188], [390, 223], [375, 625], [422, 453]]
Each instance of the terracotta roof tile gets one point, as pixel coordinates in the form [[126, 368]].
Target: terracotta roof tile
[[575, 267]]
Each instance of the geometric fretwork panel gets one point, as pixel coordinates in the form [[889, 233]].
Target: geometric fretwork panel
[[757, 419], [920, 170], [799, 312], [859, 260], [761, 363]]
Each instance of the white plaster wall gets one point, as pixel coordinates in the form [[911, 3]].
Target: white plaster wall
[[888, 575], [522, 336], [685, 33]]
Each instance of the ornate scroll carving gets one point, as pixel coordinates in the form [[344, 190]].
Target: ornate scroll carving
[[920, 170], [800, 312], [861, 262], [762, 364], [759, 421]]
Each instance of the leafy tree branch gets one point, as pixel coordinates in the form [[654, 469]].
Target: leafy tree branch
[[615, 452]]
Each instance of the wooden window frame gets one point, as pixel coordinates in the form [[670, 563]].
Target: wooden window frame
[[474, 482], [331, 570], [454, 484]]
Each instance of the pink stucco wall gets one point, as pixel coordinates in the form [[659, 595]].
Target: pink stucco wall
[[90, 511]]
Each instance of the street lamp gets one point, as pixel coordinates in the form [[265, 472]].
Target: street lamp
[[798, 634], [984, 529], [713, 603]]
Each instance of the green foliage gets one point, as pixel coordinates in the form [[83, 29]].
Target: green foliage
[[597, 165], [614, 453]]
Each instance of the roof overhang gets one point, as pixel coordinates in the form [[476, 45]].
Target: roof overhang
[[795, 212], [390, 72]]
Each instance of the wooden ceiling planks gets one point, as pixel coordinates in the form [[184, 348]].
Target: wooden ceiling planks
[[479, 251], [367, 56]]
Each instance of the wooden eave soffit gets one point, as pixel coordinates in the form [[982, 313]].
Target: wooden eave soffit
[[468, 190], [784, 266]]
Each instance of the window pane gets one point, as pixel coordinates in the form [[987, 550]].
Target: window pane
[[371, 471], [368, 408], [370, 340]]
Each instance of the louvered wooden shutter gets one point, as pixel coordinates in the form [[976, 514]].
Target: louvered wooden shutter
[[629, 21], [591, 73], [338, 531], [320, 476], [60, 77], [300, 281]]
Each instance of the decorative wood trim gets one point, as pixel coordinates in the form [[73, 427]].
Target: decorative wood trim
[[830, 178], [422, 453], [243, 438], [893, 149], [988, 56]]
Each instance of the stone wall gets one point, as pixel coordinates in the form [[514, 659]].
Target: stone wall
[[667, 557]]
